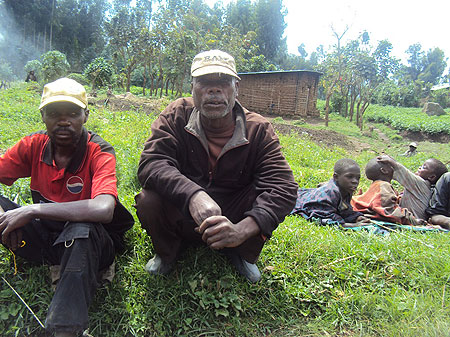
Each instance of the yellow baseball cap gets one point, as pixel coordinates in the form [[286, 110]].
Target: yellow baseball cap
[[213, 62], [64, 90]]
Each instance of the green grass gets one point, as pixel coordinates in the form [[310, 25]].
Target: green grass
[[317, 281]]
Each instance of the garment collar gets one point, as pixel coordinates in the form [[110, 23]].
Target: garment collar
[[78, 156], [194, 126]]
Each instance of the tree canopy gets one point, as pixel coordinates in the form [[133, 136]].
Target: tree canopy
[[151, 43]]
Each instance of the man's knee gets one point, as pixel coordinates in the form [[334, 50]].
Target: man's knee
[[86, 243], [147, 199]]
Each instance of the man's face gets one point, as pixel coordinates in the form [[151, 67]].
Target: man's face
[[426, 171], [64, 122], [214, 94], [348, 180]]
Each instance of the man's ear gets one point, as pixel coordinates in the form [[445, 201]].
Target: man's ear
[[236, 84], [86, 115], [335, 175], [383, 170], [432, 178], [42, 115]]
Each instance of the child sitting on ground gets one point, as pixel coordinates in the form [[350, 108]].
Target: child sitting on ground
[[417, 186], [330, 203], [381, 202]]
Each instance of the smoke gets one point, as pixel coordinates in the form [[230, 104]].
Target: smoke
[[16, 46]]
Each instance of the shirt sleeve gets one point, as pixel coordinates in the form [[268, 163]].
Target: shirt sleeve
[[15, 163], [159, 168], [410, 181], [274, 182], [103, 168], [439, 202]]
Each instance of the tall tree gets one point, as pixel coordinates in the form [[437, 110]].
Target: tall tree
[[128, 36], [271, 25], [415, 60], [242, 16], [434, 63]]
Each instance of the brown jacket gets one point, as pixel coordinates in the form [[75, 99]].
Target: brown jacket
[[175, 164]]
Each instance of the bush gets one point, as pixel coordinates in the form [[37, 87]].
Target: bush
[[99, 72], [54, 65], [80, 78], [6, 73], [36, 66], [442, 97]]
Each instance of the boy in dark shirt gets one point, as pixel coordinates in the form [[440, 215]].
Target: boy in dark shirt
[[330, 203], [439, 208]]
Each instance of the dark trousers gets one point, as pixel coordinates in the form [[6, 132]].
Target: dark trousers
[[171, 231], [82, 250]]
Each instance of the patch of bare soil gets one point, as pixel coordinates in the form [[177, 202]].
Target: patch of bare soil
[[129, 101], [326, 138], [419, 136]]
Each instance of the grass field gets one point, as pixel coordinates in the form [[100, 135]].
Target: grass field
[[317, 281]]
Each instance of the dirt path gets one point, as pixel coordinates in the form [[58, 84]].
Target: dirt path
[[382, 136]]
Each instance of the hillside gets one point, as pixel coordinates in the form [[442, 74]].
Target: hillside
[[317, 281]]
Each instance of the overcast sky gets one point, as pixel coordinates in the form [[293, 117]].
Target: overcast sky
[[402, 22]]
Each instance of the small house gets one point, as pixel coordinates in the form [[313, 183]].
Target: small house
[[283, 93]]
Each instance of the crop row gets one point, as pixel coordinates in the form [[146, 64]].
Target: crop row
[[409, 119]]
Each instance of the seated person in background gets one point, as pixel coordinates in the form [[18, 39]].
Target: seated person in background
[[412, 150], [31, 77], [380, 201], [417, 186], [439, 208], [331, 201]]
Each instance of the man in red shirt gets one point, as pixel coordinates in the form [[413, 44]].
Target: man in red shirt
[[76, 220]]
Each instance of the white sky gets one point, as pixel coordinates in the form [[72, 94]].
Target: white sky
[[402, 22]]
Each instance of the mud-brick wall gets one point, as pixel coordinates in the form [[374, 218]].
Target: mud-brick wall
[[280, 93]]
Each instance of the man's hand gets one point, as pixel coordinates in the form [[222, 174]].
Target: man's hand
[[202, 206], [362, 219], [218, 232], [441, 220], [10, 224], [385, 159]]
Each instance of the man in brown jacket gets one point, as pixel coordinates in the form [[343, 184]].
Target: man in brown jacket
[[212, 172]]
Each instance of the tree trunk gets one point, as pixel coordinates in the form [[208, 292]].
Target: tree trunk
[[353, 96], [167, 86], [128, 80], [363, 110], [327, 109], [152, 84], [145, 80], [327, 101]]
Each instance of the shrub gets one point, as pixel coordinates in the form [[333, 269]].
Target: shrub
[[99, 72], [54, 65], [80, 78], [278, 120], [36, 66], [6, 73]]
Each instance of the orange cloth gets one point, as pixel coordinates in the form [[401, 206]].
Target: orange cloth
[[381, 202]]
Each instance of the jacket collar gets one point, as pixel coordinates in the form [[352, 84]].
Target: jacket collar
[[239, 137], [78, 155]]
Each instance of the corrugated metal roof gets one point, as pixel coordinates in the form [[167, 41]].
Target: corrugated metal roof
[[282, 72]]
